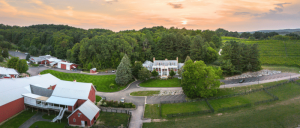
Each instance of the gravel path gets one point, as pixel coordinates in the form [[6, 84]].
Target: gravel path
[[35, 118]]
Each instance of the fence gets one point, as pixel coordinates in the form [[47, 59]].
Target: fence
[[115, 111], [226, 96]]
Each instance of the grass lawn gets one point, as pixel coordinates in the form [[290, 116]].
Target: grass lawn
[[101, 82], [18, 120], [144, 93], [98, 98], [287, 91], [152, 111], [113, 119], [183, 107], [161, 83], [44, 124], [282, 68], [239, 100]]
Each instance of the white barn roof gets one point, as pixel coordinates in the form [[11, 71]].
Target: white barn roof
[[75, 90], [12, 89], [9, 71], [88, 108], [66, 63], [61, 100]]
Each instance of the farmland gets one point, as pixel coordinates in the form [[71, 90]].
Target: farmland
[[275, 52]]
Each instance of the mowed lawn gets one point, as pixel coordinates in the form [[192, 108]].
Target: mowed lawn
[[152, 111], [101, 82], [18, 120], [183, 107], [239, 100], [113, 119], [144, 93], [161, 83]]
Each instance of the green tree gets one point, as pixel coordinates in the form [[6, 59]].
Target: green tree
[[27, 56], [199, 80], [12, 62], [144, 74], [180, 71], [135, 70], [154, 73], [1, 58], [172, 73], [22, 66], [123, 74], [5, 53], [187, 58]]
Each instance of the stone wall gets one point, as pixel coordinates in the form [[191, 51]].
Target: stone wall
[[254, 74]]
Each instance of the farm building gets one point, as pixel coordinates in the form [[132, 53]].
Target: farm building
[[41, 59], [66, 65], [93, 70], [8, 73], [45, 92]]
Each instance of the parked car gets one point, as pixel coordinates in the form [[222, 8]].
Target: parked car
[[113, 71], [241, 81], [26, 53], [122, 100], [103, 98]]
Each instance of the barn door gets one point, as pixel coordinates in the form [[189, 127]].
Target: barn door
[[82, 123]]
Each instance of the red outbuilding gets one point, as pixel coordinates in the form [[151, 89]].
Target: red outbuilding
[[93, 70], [66, 65], [85, 115]]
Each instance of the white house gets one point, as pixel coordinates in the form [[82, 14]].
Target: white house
[[163, 67]]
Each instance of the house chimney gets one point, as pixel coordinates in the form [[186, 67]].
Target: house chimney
[[166, 59], [74, 81], [177, 59], [153, 59]]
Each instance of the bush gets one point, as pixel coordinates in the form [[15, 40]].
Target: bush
[[112, 85], [35, 65], [1, 59], [115, 104], [121, 105]]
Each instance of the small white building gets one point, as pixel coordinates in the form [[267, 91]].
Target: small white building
[[163, 67]]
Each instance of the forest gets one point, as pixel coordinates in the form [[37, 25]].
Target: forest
[[102, 48]]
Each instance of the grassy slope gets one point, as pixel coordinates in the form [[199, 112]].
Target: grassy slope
[[274, 52], [98, 98], [183, 107], [161, 83], [144, 93], [101, 82], [18, 120], [282, 113], [113, 119]]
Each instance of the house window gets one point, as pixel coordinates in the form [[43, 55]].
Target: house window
[[79, 114], [74, 120]]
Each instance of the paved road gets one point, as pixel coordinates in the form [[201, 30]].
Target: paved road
[[35, 118], [17, 54]]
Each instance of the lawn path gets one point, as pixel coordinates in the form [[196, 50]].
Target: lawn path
[[37, 117]]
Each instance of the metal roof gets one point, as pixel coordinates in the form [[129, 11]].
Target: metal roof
[[75, 90], [88, 108], [12, 89], [61, 100], [34, 96], [66, 63], [40, 91], [8, 71], [165, 63]]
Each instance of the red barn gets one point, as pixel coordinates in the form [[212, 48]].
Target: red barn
[[85, 115], [8, 73], [93, 70]]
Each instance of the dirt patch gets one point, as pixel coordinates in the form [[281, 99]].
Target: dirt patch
[[159, 120], [220, 114], [99, 122]]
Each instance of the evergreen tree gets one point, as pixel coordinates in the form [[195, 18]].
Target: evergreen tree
[[5, 53], [27, 56], [144, 74], [22, 66], [123, 74], [135, 70]]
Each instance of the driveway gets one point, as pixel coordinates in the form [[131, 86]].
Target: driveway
[[35, 118], [17, 54]]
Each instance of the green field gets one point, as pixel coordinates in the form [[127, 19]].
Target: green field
[[152, 111], [183, 107], [101, 82], [161, 83], [144, 93], [293, 69], [98, 98], [275, 52], [18, 120], [113, 119], [282, 113]]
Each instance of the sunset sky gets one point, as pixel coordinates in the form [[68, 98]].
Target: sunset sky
[[116, 15]]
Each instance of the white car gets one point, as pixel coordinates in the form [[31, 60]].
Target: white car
[[113, 71], [122, 100]]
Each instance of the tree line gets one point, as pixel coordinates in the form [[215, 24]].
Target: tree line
[[102, 48]]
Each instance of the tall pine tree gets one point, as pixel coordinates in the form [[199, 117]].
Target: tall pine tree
[[123, 74]]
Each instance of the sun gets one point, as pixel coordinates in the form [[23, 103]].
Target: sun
[[184, 22]]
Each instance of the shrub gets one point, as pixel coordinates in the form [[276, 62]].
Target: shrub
[[35, 65], [1, 59], [112, 85], [121, 105], [115, 104]]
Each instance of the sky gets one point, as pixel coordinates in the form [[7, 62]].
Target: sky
[[116, 15]]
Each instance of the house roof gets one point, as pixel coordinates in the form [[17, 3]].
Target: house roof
[[61, 100], [66, 63], [12, 89], [88, 108], [41, 58], [34, 96], [75, 90], [165, 63], [9, 71]]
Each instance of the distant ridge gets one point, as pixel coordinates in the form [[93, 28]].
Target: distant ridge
[[280, 31]]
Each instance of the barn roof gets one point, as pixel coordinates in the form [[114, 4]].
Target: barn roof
[[88, 108], [12, 89], [66, 63], [9, 71], [75, 90]]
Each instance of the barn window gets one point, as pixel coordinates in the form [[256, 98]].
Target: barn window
[[79, 114], [74, 120]]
